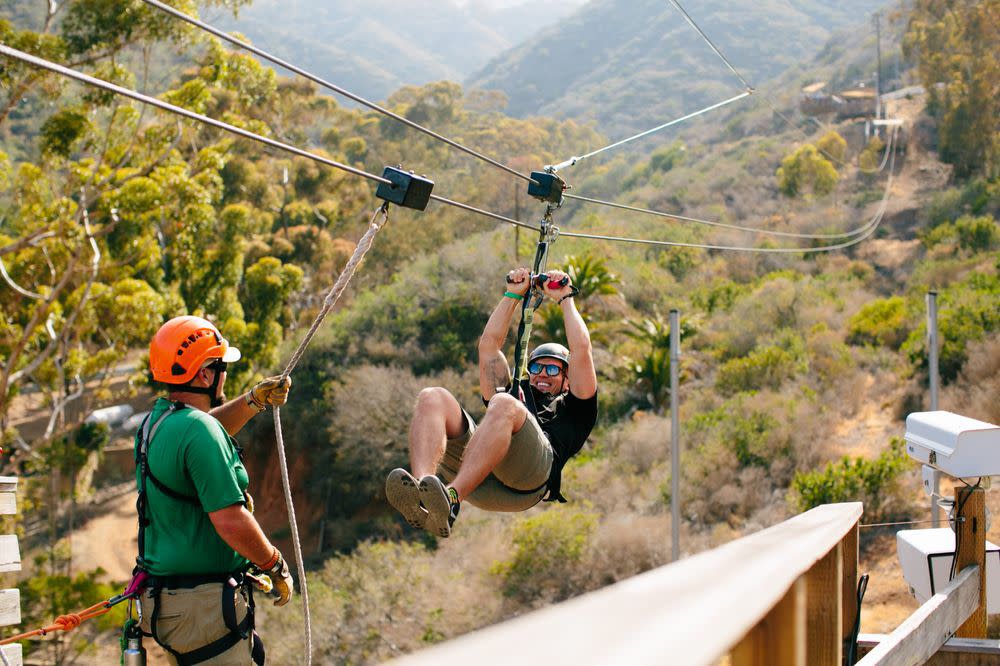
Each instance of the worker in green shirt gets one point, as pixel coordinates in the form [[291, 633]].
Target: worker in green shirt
[[198, 538]]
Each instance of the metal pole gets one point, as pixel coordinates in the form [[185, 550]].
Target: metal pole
[[878, 72], [675, 437], [932, 371]]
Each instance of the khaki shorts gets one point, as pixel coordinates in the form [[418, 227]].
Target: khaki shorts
[[192, 618], [525, 468]]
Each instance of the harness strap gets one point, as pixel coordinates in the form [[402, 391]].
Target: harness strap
[[238, 631]]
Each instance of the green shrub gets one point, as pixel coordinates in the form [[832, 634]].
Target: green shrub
[[968, 311], [764, 367], [872, 482], [833, 145], [972, 234], [806, 169], [883, 322], [544, 546]]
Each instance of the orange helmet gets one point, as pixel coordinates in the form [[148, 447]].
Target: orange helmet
[[181, 347]]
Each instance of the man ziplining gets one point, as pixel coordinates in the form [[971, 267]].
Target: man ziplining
[[515, 457], [197, 534]]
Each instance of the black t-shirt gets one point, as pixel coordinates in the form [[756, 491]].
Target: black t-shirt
[[567, 421]]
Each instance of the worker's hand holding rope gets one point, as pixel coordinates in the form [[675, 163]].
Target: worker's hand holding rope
[[277, 570], [272, 392]]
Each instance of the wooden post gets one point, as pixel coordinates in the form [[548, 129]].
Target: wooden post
[[849, 557], [824, 610], [10, 560], [970, 530], [780, 638]]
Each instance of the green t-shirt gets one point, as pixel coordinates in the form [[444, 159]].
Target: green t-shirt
[[192, 454]]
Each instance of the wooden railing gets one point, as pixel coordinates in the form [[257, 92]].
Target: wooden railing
[[10, 561], [784, 595]]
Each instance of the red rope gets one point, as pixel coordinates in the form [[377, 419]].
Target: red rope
[[67, 622]]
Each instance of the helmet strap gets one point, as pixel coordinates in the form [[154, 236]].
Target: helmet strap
[[210, 391]]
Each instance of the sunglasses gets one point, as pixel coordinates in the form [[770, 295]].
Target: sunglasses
[[536, 368], [218, 365]]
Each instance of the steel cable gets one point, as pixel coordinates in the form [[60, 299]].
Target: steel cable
[[869, 229], [737, 227], [330, 86], [191, 115]]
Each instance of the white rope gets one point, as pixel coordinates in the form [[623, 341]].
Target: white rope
[[331, 299], [573, 160], [15, 286]]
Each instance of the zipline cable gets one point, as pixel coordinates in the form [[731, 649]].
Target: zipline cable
[[746, 83], [330, 86], [872, 226], [574, 160], [711, 45], [737, 227], [166, 106]]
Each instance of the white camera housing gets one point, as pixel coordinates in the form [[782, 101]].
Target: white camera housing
[[957, 445]]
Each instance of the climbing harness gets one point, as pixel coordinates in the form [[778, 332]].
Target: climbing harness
[[232, 583]]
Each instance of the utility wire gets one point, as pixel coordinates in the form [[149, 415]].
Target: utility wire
[[165, 106], [573, 160], [329, 86], [737, 227], [870, 228]]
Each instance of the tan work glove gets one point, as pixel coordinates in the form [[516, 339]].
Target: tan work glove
[[281, 579], [272, 391]]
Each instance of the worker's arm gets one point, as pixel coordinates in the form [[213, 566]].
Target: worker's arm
[[241, 532], [494, 372]]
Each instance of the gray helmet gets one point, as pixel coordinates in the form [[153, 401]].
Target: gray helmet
[[550, 350]]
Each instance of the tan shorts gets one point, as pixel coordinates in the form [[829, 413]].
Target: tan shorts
[[525, 468], [192, 618]]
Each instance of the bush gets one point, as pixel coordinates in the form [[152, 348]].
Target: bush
[[544, 546], [972, 234], [968, 313], [764, 367], [872, 482], [883, 323]]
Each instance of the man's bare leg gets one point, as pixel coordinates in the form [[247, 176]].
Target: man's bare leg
[[505, 416], [437, 417]]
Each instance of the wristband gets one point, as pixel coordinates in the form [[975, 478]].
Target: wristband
[[248, 397], [573, 292], [267, 566], [516, 297]]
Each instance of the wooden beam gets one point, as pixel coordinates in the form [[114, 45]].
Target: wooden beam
[[13, 654], [971, 541], [10, 554], [8, 504], [927, 629], [849, 552], [987, 646], [824, 610], [663, 616], [10, 607], [780, 638]]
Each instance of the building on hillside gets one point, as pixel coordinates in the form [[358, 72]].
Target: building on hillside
[[856, 102]]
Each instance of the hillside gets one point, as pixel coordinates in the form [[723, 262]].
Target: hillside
[[373, 48], [624, 62]]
